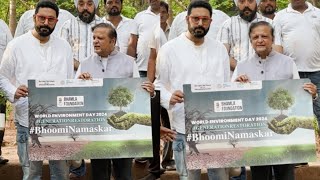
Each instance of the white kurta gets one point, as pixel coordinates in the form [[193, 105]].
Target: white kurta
[[180, 62], [5, 37], [25, 59]]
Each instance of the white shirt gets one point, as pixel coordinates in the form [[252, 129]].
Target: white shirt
[[79, 35], [123, 33], [116, 65], [26, 59], [143, 25], [179, 24], [276, 66], [26, 23], [299, 35], [158, 38], [234, 32], [180, 62], [5, 37]]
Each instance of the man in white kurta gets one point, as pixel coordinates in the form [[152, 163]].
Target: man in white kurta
[[35, 55], [26, 23], [191, 58], [5, 37], [179, 24], [77, 31], [143, 25]]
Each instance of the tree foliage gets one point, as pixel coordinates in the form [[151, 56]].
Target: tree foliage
[[120, 96], [280, 99]]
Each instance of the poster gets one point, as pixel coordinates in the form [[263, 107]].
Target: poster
[[94, 119], [248, 124]]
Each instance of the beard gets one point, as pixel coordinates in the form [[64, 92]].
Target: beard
[[44, 31], [114, 11], [198, 32], [85, 18], [249, 17], [269, 10]]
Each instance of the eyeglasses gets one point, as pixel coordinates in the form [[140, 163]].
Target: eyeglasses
[[42, 19], [196, 19]]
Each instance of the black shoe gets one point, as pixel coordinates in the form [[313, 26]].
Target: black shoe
[[3, 160]]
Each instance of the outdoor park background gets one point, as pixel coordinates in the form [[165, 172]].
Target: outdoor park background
[[11, 10]]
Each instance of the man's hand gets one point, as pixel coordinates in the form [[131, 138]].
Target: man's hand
[[243, 79], [85, 76], [167, 134], [177, 97], [148, 86], [22, 91], [311, 88]]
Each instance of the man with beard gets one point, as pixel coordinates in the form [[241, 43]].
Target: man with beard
[[179, 24], [5, 37], [268, 8], [122, 24], [35, 55], [143, 26], [234, 32], [191, 58], [78, 32], [298, 36], [26, 23]]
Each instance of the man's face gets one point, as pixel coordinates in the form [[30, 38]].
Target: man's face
[[261, 39], [199, 22], [297, 3], [86, 10], [247, 9], [103, 45], [154, 4], [45, 21], [164, 15], [268, 6], [113, 7]]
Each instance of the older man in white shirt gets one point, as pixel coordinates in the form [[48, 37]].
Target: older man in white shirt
[[35, 55], [26, 23], [234, 32], [191, 58], [179, 24], [298, 36], [144, 23], [5, 37], [77, 31]]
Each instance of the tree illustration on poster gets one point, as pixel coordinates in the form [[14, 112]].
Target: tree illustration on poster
[[122, 97], [281, 99]]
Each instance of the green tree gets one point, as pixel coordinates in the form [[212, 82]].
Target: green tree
[[120, 96], [280, 99]]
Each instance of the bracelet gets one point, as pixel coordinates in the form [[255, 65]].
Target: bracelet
[[154, 94]]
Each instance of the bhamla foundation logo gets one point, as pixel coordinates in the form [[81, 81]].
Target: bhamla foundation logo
[[70, 101], [228, 106]]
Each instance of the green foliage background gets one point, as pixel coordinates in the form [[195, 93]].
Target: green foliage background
[[130, 9]]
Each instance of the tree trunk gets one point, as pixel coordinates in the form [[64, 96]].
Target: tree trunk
[[13, 16]]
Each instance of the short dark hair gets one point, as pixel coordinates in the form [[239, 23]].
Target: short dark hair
[[47, 4], [112, 33], [261, 23], [199, 4], [105, 1], [165, 5]]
